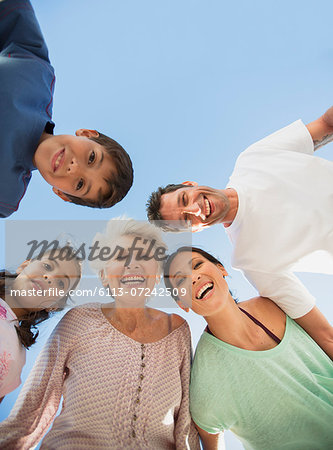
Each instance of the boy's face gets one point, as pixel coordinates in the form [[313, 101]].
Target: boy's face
[[75, 165]]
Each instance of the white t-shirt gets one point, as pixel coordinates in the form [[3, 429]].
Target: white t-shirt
[[12, 352], [284, 221]]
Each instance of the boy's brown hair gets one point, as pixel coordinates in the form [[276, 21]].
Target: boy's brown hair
[[120, 184]]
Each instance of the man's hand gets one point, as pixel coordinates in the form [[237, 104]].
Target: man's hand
[[316, 325], [321, 130], [328, 117]]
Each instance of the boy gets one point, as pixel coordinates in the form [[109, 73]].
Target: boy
[[88, 169]]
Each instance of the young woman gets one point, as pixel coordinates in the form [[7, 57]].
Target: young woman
[[255, 372], [27, 298], [122, 367]]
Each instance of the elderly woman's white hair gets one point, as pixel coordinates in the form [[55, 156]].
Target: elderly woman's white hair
[[125, 226]]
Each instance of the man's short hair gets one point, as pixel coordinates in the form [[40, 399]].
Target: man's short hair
[[154, 204], [119, 184]]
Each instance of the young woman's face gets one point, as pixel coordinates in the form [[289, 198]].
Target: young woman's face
[[206, 288], [127, 275], [42, 283]]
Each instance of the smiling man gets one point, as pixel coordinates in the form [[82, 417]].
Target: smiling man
[[89, 169], [196, 208], [278, 212]]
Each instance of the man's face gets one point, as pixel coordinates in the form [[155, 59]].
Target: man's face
[[200, 205], [75, 165]]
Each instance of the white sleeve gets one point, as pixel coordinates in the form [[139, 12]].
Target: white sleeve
[[294, 137], [285, 289]]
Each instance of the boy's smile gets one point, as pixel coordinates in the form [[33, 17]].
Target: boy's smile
[[58, 159], [75, 165]]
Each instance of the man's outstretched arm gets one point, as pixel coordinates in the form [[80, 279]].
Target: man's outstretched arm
[[317, 326], [321, 130], [287, 291]]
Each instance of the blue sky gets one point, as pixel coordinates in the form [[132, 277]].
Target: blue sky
[[184, 86]]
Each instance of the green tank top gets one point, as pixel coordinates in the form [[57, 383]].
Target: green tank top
[[275, 399]]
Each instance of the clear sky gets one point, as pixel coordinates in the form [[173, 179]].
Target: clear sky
[[184, 86]]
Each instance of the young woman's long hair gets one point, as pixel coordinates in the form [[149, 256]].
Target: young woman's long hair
[[27, 325]]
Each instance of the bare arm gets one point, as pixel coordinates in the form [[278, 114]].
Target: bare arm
[[286, 290], [316, 325], [321, 130], [211, 441]]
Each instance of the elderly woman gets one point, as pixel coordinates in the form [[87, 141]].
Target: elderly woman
[[122, 368], [255, 372]]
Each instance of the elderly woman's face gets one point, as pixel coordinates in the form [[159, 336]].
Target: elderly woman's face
[[206, 288], [128, 274]]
